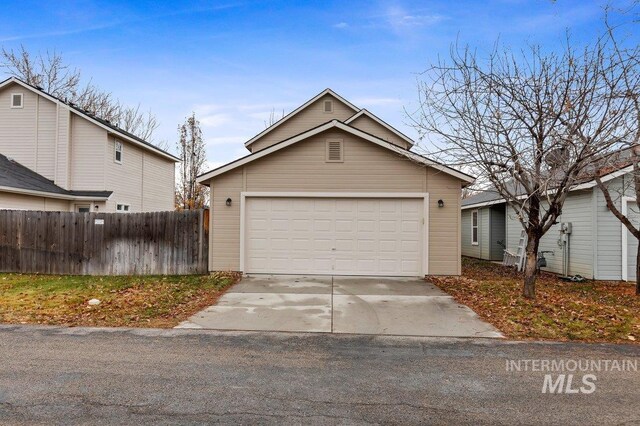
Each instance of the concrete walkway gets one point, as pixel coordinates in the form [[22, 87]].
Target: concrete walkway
[[325, 304]]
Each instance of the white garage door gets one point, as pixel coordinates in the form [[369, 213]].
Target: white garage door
[[342, 236]]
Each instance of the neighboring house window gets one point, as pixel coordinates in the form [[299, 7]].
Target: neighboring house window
[[118, 154], [16, 100], [122, 208], [474, 227], [83, 208], [328, 106], [335, 152]]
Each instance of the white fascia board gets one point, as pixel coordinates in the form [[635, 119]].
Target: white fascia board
[[90, 119], [380, 122], [299, 109], [346, 128], [582, 186], [273, 148], [406, 153], [606, 178], [125, 137], [51, 194], [277, 194], [484, 204]]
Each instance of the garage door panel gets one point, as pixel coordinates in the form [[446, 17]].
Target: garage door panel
[[280, 205], [410, 246], [367, 245], [334, 236], [322, 244], [409, 265], [388, 246], [345, 265], [342, 245], [259, 224], [280, 244], [345, 206], [323, 206], [344, 225], [301, 224], [366, 225], [301, 244], [302, 204], [257, 244], [388, 266], [322, 265], [410, 226]]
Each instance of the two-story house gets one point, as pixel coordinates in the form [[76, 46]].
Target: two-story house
[[55, 156]]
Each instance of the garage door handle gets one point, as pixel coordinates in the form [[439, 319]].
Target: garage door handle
[[333, 249]]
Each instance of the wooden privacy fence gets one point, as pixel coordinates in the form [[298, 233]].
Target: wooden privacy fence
[[104, 243]]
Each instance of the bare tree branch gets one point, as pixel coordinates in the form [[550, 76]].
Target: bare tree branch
[[50, 73], [530, 124]]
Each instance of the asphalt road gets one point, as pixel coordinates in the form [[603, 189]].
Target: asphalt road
[[52, 375]]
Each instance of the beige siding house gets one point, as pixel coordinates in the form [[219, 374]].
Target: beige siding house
[[332, 189], [54, 156]]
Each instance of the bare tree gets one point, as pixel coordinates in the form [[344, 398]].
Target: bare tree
[[274, 117], [529, 124], [189, 193], [50, 72], [615, 191]]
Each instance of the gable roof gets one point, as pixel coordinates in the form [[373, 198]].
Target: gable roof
[[108, 126], [481, 199], [299, 109], [14, 177], [381, 122], [342, 126], [491, 196]]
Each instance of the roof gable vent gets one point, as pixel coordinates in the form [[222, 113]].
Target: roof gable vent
[[335, 152], [328, 106]]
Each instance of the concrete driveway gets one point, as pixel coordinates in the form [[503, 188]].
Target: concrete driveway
[[326, 304]]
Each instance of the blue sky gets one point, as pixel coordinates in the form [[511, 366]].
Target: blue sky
[[232, 62]]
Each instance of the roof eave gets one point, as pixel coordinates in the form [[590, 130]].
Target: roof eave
[[55, 195], [466, 179], [110, 130], [327, 91], [380, 121]]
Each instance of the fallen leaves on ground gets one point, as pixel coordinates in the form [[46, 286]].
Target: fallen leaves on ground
[[594, 311], [131, 301]]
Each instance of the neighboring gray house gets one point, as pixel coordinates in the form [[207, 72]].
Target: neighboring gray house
[[57, 157], [599, 246]]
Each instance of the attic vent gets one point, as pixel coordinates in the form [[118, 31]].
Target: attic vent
[[16, 100], [328, 106], [334, 151]]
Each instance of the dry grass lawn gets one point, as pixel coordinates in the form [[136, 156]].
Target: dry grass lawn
[[592, 311], [126, 301]]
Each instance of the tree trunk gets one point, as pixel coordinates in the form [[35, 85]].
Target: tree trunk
[[531, 267], [638, 270]]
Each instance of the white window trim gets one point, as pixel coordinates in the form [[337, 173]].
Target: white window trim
[[115, 150], [420, 195], [78, 206], [625, 232], [477, 227], [326, 154], [21, 100], [128, 206]]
